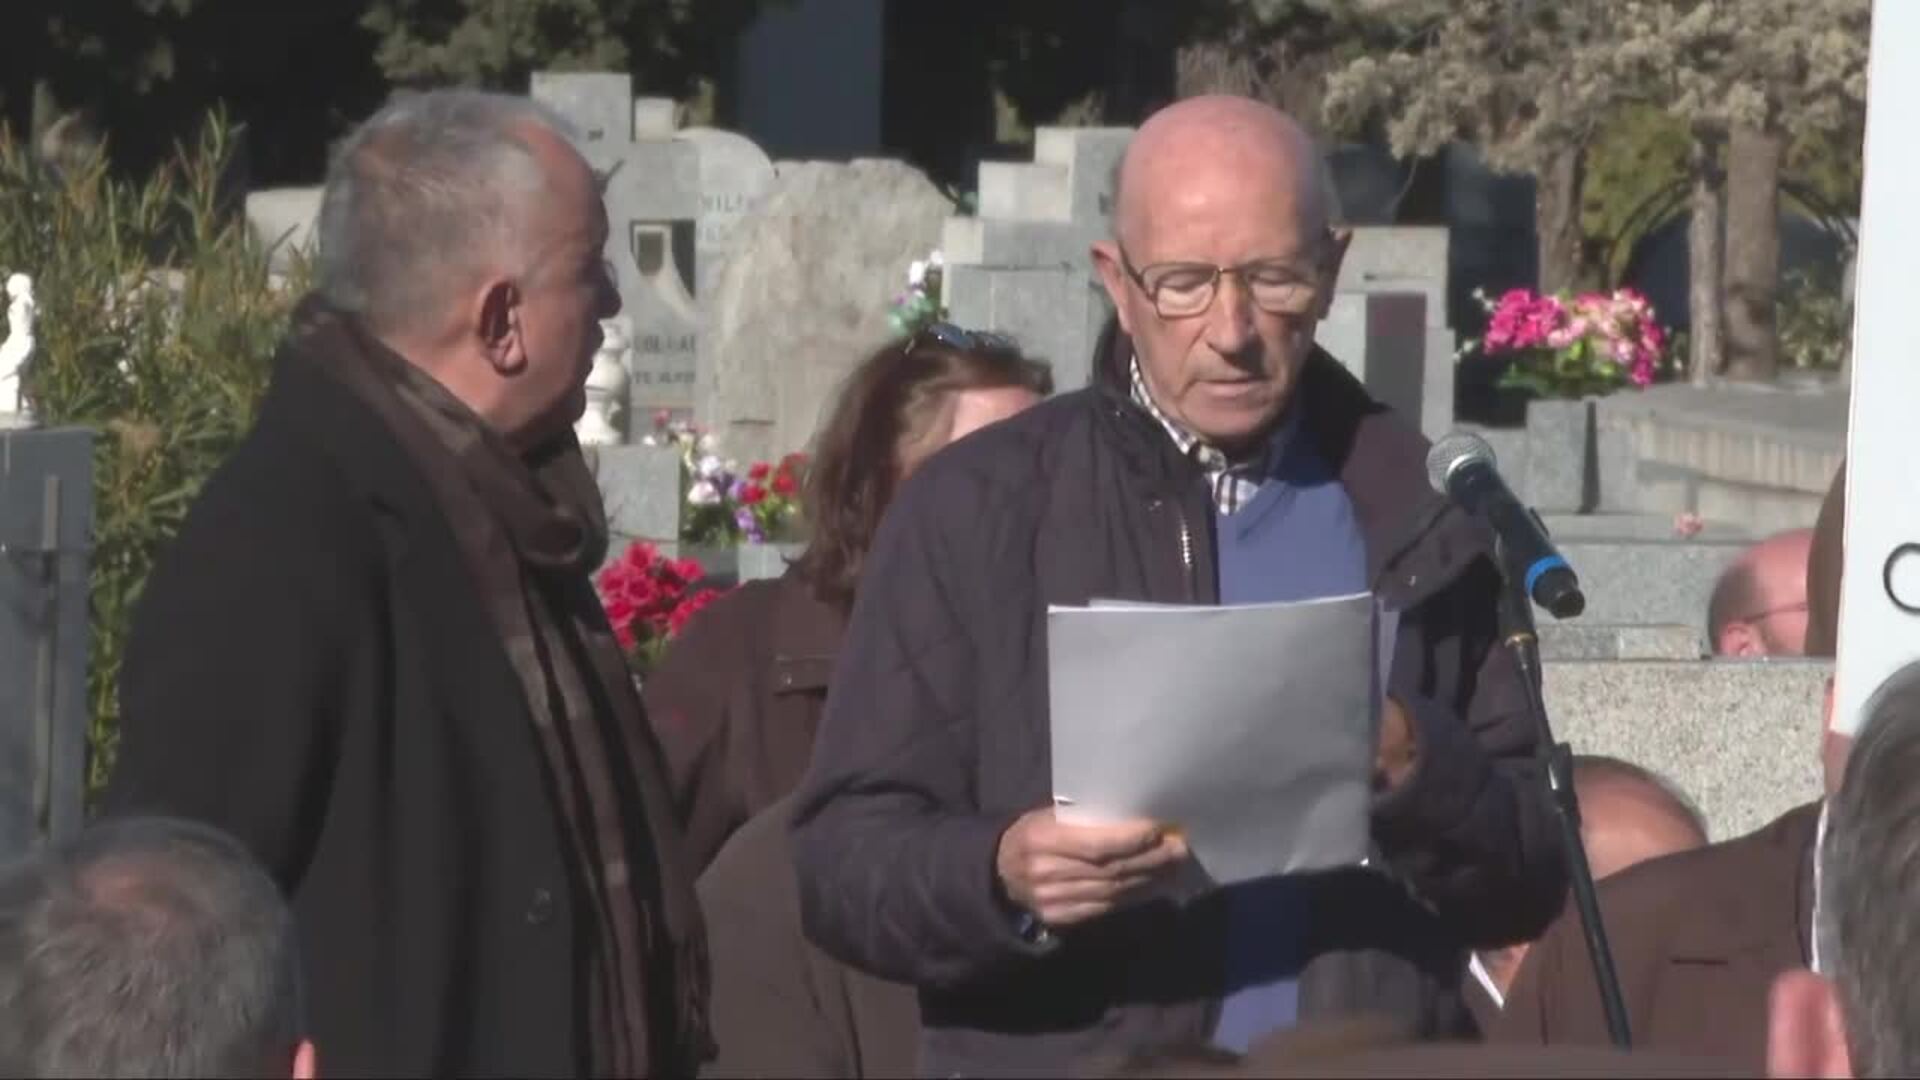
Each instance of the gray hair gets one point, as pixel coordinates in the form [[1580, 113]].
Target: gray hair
[[432, 189], [1870, 884], [146, 947]]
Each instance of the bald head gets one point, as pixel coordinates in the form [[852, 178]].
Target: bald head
[[1182, 144], [1222, 263], [1629, 815], [1759, 605]]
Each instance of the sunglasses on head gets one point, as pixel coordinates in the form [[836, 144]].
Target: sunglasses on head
[[956, 337]]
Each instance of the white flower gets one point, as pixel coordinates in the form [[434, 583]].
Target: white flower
[[703, 493], [709, 467], [917, 274], [936, 260], [648, 440], [709, 443]]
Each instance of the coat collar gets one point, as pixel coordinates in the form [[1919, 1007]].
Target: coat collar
[[1417, 541]]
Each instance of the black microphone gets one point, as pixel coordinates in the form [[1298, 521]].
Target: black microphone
[[1461, 467]]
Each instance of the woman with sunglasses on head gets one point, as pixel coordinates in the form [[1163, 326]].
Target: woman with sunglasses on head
[[737, 698]]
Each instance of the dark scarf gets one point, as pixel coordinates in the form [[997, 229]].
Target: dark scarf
[[532, 528]]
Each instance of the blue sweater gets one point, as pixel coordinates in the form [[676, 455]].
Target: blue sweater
[[1296, 539]]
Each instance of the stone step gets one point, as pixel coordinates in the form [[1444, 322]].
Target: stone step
[[1752, 437], [1741, 738], [1650, 527], [1649, 583], [1594, 641]]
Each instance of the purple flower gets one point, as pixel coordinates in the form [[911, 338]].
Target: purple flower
[[744, 518]]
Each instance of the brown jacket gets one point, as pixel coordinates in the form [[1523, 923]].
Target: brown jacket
[[736, 702], [1697, 938], [781, 1007]]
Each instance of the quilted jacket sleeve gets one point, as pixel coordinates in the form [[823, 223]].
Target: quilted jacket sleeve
[[895, 860], [1472, 829]]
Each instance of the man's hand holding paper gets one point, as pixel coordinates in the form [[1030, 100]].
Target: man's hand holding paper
[[1183, 716], [1065, 873]]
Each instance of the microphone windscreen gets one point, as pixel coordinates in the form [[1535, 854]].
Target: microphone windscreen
[[1452, 451]]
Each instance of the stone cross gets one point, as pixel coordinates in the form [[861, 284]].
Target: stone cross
[[1020, 266], [650, 182]]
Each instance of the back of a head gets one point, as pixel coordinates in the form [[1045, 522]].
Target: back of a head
[[1630, 814], [146, 947], [1824, 558], [890, 413], [434, 187], [1870, 885]]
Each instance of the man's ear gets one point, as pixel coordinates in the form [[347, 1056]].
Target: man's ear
[[497, 324], [1739, 639], [1338, 241], [305, 1063], [1106, 260], [1806, 1033]]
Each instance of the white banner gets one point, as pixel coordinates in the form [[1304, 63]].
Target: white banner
[[1880, 593]]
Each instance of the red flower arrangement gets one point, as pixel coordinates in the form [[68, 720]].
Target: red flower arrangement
[[648, 600]]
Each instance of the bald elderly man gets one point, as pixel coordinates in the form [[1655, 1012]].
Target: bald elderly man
[[1759, 605], [1627, 816], [1221, 458]]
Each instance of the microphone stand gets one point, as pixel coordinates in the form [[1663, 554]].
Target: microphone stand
[[1522, 640]]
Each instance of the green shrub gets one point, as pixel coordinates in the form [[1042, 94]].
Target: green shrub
[[1814, 320], [157, 323]]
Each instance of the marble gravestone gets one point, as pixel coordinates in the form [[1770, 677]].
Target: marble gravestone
[[651, 183], [734, 174]]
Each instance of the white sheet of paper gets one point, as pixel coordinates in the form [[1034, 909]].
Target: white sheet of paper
[[1880, 577], [1252, 728]]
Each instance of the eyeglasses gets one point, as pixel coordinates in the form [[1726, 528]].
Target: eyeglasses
[[1181, 290], [955, 337]]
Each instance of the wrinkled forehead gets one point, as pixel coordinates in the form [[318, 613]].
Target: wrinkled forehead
[[1236, 199]]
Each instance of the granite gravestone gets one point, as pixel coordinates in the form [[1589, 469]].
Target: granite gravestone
[[651, 183], [46, 522], [1021, 266]]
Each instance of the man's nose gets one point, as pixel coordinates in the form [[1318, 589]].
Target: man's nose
[[1230, 326]]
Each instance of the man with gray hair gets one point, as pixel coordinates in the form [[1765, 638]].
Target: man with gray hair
[[374, 652], [1858, 1012], [148, 947]]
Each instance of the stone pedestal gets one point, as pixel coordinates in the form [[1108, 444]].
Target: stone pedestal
[[1559, 438]]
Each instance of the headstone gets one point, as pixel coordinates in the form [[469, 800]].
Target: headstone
[[15, 351], [803, 298], [1880, 586], [1411, 259], [1740, 737], [46, 522], [734, 174], [1382, 338], [1021, 265], [640, 486], [1649, 583], [651, 187]]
